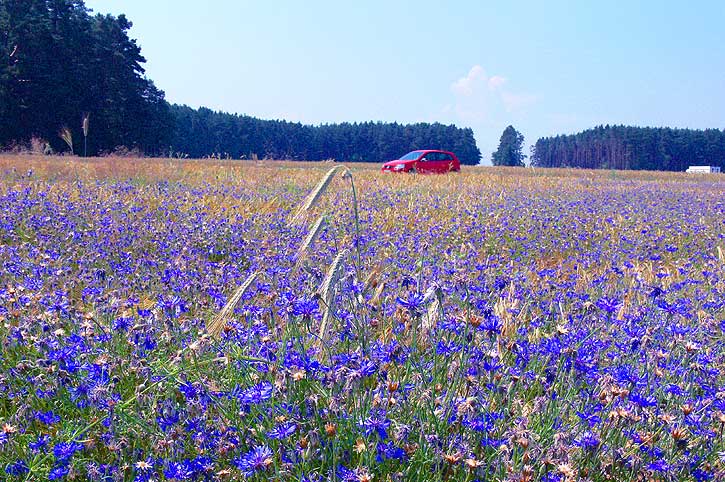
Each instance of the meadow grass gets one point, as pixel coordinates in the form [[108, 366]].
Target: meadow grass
[[217, 320]]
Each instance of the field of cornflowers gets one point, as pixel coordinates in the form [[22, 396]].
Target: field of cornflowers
[[189, 320]]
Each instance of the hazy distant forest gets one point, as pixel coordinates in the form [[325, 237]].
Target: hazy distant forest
[[623, 147], [59, 63]]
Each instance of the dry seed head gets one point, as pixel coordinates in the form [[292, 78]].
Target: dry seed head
[[67, 137], [434, 310], [327, 290], [373, 278], [315, 195], [453, 458], [378, 292], [679, 434], [222, 318], [309, 240], [85, 125], [360, 446]]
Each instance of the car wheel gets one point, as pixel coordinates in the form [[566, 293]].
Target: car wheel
[[412, 171]]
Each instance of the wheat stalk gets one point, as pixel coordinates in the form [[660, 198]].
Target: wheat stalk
[[327, 290], [314, 196], [434, 296], [85, 124], [67, 137], [430, 293], [378, 293], [309, 241], [222, 318]]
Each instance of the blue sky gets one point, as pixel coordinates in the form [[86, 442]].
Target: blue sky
[[544, 67]]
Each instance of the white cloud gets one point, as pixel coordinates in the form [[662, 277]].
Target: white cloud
[[467, 85], [478, 97], [496, 81]]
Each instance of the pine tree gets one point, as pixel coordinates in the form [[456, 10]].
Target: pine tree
[[510, 149]]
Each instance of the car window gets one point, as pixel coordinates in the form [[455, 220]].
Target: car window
[[433, 156], [411, 156], [446, 157]]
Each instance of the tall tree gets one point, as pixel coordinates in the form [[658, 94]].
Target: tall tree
[[57, 63], [510, 149]]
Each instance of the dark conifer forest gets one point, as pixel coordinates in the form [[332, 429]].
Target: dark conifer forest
[[200, 132], [626, 147]]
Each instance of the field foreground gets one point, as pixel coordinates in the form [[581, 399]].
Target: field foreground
[[498, 324]]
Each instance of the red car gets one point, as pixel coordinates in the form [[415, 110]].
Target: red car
[[428, 160]]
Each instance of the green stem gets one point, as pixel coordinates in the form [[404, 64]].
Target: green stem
[[357, 225]]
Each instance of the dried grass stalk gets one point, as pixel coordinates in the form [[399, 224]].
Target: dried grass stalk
[[373, 278], [85, 124], [222, 318], [314, 196], [430, 293], [327, 291], [67, 137], [378, 293], [309, 241], [434, 296]]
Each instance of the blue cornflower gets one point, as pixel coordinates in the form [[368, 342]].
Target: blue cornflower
[[414, 303], [347, 475], [58, 472], [39, 444], [367, 368], [643, 400], [492, 325], [257, 394], [48, 418], [659, 466], [306, 307], [179, 470], [588, 441], [608, 305], [377, 422], [19, 467], [188, 390], [167, 419], [591, 418], [390, 451], [122, 323], [282, 431], [256, 460], [65, 450]]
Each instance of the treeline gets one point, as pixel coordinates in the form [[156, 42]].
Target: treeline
[[200, 132], [626, 147], [59, 63]]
